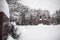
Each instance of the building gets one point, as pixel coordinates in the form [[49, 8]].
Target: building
[[4, 19]]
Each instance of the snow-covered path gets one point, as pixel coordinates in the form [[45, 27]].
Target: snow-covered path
[[39, 32]]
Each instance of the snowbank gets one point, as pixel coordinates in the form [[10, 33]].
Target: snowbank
[[39, 32]]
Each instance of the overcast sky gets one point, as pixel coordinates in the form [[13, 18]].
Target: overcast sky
[[50, 5]]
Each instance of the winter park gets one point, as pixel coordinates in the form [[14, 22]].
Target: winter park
[[30, 19]]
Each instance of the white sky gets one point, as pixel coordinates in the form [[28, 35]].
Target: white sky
[[50, 5]]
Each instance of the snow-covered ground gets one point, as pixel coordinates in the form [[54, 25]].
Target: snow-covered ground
[[38, 32]]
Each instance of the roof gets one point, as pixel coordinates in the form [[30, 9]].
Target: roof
[[4, 7]]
